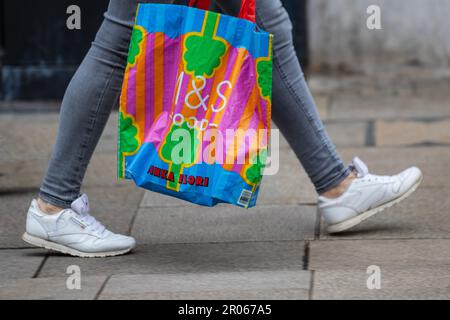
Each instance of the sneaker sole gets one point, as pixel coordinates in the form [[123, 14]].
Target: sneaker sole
[[350, 223], [41, 243]]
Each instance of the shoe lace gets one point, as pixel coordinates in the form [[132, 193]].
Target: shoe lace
[[359, 167], [94, 224], [81, 207]]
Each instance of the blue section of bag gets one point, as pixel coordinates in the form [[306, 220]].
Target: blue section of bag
[[177, 20], [223, 186]]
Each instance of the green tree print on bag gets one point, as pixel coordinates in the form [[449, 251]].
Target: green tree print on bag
[[254, 173], [204, 51], [264, 68], [168, 150], [135, 45], [128, 141]]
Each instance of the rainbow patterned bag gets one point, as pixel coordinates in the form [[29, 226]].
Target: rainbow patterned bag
[[195, 107]]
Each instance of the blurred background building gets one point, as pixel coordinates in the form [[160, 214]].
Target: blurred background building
[[38, 54], [414, 32]]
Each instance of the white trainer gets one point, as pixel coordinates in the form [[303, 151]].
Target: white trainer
[[367, 195], [75, 232]]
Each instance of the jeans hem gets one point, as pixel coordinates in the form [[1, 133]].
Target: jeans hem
[[333, 183], [54, 200]]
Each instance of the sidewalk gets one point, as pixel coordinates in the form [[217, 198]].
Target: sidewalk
[[279, 249]]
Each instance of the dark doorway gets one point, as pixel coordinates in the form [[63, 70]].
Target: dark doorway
[[39, 54]]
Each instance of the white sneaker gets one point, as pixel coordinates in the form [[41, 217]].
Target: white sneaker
[[367, 195], [75, 232]]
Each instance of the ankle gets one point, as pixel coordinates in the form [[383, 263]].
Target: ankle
[[48, 208], [339, 190]]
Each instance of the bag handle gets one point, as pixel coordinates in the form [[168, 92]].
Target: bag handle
[[247, 11], [201, 4]]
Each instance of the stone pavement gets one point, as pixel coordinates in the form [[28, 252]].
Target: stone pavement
[[277, 250]]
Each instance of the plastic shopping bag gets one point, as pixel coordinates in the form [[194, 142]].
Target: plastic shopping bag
[[195, 107]]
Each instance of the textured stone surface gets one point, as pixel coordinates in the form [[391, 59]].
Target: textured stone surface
[[387, 107], [188, 258], [50, 289], [224, 223], [397, 133], [34, 134], [342, 133], [285, 188], [19, 263], [323, 105], [13, 211], [240, 285], [28, 134], [410, 269], [347, 134], [26, 142], [27, 173]]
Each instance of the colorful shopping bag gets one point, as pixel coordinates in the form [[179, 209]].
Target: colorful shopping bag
[[195, 107]]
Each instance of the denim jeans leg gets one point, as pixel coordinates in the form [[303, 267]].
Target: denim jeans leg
[[294, 109]]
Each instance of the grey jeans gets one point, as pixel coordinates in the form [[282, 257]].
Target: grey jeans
[[95, 90]]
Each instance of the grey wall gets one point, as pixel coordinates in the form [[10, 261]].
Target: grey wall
[[414, 32]]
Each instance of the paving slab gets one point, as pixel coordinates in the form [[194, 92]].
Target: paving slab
[[409, 269], [343, 133], [28, 173], [347, 133], [408, 284], [238, 285], [285, 188], [398, 133], [22, 174], [50, 289], [19, 263], [322, 105], [32, 137], [187, 258], [27, 135], [34, 134], [13, 211], [424, 215], [224, 223], [351, 106]]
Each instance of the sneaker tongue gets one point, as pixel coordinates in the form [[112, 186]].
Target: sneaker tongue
[[360, 167], [81, 205]]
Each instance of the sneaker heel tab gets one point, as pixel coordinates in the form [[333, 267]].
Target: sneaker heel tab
[[34, 205], [35, 209]]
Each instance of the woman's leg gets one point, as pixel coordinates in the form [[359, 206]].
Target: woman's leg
[[87, 104], [294, 110], [355, 196]]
